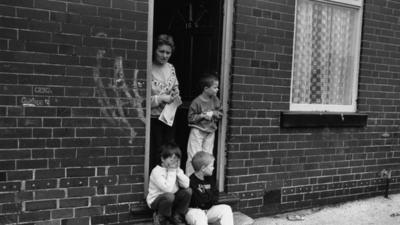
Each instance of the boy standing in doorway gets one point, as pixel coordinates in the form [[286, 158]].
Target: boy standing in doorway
[[204, 113]]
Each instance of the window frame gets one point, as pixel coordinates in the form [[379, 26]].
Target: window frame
[[357, 4]]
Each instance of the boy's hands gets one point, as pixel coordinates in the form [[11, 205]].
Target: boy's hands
[[173, 164], [212, 114], [207, 115], [217, 114]]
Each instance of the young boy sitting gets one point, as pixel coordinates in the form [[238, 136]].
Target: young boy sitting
[[169, 192], [203, 208]]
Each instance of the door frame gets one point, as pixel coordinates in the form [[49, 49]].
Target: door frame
[[226, 56]]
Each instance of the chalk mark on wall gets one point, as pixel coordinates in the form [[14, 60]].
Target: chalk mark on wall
[[41, 97], [113, 107], [34, 101]]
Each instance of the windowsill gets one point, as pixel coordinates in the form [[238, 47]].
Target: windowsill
[[295, 119]]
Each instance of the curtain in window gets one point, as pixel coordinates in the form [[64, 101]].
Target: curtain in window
[[323, 54]]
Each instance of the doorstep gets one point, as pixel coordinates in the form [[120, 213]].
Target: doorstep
[[143, 214], [238, 219]]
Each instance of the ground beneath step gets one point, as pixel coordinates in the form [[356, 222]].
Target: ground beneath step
[[373, 211]]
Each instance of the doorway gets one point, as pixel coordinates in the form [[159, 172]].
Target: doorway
[[202, 44], [196, 26]]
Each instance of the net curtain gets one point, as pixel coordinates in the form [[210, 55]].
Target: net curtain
[[323, 56]]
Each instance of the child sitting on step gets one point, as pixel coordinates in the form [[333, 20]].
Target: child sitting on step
[[203, 208], [169, 192]]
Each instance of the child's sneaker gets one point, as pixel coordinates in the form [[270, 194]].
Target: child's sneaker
[[177, 219], [159, 219]]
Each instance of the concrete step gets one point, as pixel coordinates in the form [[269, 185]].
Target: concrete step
[[145, 214], [238, 218]]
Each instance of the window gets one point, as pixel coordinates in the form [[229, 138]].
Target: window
[[326, 55]]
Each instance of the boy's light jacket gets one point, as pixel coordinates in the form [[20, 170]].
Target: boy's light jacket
[[163, 180]]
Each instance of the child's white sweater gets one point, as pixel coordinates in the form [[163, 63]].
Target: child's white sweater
[[163, 180]]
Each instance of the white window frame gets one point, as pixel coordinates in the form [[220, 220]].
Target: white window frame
[[358, 4]]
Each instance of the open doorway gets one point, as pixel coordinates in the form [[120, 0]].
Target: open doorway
[[196, 26], [202, 30]]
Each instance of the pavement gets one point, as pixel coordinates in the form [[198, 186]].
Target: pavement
[[372, 211]]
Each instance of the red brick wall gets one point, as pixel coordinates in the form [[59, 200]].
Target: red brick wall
[[71, 126], [309, 166]]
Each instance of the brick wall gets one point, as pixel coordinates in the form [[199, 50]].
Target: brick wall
[[72, 124], [276, 169], [72, 95]]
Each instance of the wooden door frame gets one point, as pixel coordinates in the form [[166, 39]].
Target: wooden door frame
[[224, 92]]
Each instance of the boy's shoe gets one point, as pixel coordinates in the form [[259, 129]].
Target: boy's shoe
[[159, 219], [156, 221], [177, 219]]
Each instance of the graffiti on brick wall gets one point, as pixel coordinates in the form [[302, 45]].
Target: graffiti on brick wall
[[123, 95], [42, 100], [34, 101]]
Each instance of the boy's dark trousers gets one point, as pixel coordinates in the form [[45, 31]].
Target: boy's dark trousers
[[168, 203]]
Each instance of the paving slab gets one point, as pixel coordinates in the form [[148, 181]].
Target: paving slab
[[372, 211]]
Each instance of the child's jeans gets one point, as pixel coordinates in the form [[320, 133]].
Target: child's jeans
[[168, 203], [218, 213], [198, 141]]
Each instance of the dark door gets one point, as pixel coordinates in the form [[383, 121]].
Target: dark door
[[196, 26]]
